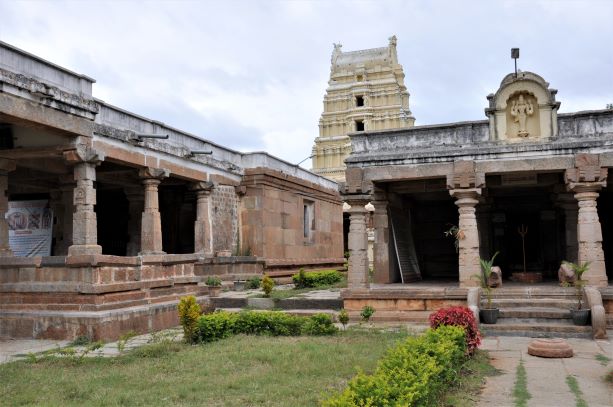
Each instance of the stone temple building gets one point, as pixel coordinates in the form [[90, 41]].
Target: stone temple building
[[107, 217], [525, 170], [366, 92]]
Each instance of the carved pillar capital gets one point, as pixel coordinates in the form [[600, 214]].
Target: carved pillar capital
[[83, 154], [153, 173]]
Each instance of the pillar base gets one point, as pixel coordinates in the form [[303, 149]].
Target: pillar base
[[83, 249]]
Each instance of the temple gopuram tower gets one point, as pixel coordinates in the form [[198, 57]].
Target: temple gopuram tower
[[366, 92]]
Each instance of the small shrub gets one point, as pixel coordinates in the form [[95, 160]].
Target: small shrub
[[124, 339], [367, 312], [343, 318], [217, 325], [412, 374], [213, 281], [268, 323], [267, 285], [189, 312], [253, 283], [609, 377], [316, 278], [462, 317], [319, 324], [82, 340]]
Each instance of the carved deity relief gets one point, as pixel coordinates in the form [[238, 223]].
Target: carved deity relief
[[521, 109], [522, 116]]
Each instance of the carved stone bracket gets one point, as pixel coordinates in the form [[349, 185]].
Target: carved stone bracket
[[153, 173], [464, 175], [83, 154], [587, 171]]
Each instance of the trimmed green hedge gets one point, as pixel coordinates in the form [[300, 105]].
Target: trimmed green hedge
[[222, 324], [316, 278], [412, 374]]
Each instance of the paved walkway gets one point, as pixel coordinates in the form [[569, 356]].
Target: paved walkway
[[12, 348], [546, 378]]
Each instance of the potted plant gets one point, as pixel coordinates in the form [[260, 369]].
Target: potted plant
[[580, 316], [214, 284], [489, 314]]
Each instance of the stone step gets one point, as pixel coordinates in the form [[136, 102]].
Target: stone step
[[534, 313], [535, 292], [534, 330], [559, 303]]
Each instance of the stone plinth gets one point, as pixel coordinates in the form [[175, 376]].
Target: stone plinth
[[550, 348]]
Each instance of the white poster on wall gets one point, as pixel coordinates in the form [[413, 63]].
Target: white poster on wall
[[30, 228]]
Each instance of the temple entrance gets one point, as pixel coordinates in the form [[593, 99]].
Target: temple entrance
[[420, 212], [525, 225]]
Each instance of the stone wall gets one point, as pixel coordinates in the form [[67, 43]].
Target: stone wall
[[272, 219], [224, 218]]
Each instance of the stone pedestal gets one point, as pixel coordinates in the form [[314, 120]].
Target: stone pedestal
[[589, 234], [358, 246], [84, 225], [136, 204], [202, 225], [151, 224], [466, 200], [381, 246], [6, 166]]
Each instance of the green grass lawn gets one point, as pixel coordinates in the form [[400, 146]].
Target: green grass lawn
[[239, 371]]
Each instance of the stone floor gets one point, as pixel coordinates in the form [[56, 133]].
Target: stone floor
[[546, 378]]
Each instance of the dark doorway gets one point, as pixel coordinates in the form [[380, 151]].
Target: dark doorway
[[529, 211], [112, 219], [178, 213]]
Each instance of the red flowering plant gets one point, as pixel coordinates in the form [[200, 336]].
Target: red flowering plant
[[458, 316]]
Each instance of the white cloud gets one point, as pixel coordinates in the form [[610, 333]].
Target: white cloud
[[252, 74]]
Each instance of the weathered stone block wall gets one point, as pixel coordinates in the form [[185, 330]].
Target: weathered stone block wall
[[272, 218], [224, 217]]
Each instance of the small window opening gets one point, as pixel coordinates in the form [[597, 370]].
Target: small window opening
[[359, 78], [359, 101], [359, 125]]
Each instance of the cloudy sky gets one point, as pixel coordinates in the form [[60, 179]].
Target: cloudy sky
[[252, 74]]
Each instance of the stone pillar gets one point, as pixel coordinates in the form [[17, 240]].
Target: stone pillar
[[585, 180], [151, 224], [381, 249], [202, 226], [84, 225], [136, 205], [466, 200], [589, 235], [63, 214], [568, 203], [358, 245], [6, 166]]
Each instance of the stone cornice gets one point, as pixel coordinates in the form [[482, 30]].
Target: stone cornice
[[49, 95]]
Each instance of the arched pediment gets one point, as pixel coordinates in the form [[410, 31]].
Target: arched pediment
[[523, 109]]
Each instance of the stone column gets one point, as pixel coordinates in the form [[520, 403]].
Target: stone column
[[568, 203], [466, 200], [589, 235], [6, 166], [381, 249], [84, 225], [202, 226], [585, 180], [63, 214], [358, 245], [151, 224], [136, 204]]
